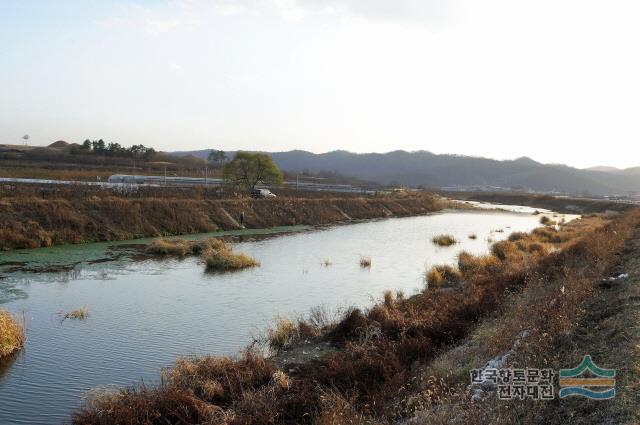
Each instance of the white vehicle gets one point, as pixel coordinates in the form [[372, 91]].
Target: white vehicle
[[262, 193]]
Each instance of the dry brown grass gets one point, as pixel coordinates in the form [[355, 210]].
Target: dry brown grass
[[442, 275], [365, 262], [182, 247], [225, 259], [542, 317], [217, 255], [282, 333], [33, 217], [444, 240], [12, 333], [503, 250], [546, 221], [79, 314], [471, 264]]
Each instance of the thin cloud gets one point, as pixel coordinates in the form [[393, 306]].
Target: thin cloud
[[174, 14]]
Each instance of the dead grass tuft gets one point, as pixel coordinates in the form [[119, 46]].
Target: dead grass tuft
[[225, 259], [12, 334], [546, 221], [79, 314], [470, 264], [282, 333], [442, 275], [504, 249], [444, 240]]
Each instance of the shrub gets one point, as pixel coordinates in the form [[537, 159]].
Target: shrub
[[473, 236], [388, 299], [469, 263], [79, 314], [282, 334], [504, 249], [220, 380], [443, 275], [444, 240], [225, 259], [516, 236], [546, 221], [12, 335]]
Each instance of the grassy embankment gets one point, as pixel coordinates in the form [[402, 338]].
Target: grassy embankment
[[399, 358], [86, 215]]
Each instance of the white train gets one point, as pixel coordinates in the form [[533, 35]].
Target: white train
[[162, 180], [199, 181]]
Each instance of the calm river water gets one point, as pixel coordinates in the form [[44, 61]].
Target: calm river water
[[144, 314]]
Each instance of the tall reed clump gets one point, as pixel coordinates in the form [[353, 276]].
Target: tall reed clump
[[441, 275], [12, 334], [282, 333], [444, 240], [469, 264], [224, 258]]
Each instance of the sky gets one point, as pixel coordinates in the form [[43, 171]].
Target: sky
[[555, 80]]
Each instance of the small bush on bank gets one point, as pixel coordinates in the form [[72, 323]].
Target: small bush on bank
[[443, 275], [282, 333], [504, 249], [12, 335], [469, 263]]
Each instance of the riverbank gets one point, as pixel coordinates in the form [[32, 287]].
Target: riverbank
[[552, 324], [30, 222], [382, 366], [563, 204]]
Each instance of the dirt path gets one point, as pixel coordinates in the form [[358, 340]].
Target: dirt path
[[610, 332]]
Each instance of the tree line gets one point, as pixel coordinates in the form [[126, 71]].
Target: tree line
[[100, 147]]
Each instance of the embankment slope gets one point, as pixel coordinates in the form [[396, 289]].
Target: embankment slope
[[32, 222]]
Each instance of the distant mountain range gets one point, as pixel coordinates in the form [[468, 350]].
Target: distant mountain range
[[423, 168]]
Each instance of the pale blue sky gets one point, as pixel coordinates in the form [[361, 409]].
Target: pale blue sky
[[556, 80]]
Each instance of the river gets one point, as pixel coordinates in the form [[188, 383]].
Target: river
[[143, 313]]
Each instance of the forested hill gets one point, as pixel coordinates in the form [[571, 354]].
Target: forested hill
[[427, 169]]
